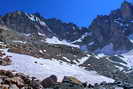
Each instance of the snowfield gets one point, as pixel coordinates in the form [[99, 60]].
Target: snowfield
[[42, 68]]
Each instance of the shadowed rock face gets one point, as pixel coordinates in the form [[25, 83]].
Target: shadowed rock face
[[106, 32], [34, 23], [118, 38], [25, 23], [114, 28], [68, 31], [126, 10]]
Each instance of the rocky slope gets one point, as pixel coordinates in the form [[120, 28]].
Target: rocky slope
[[13, 80], [57, 53]]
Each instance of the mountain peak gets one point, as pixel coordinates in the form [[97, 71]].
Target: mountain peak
[[126, 10]]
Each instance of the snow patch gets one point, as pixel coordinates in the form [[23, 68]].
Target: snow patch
[[118, 21], [35, 19], [73, 27], [130, 37], [100, 55], [19, 41], [121, 24], [82, 37], [55, 40], [91, 43], [118, 88], [28, 34], [83, 59], [66, 59], [41, 34]]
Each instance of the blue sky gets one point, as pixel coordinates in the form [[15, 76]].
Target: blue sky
[[80, 12]]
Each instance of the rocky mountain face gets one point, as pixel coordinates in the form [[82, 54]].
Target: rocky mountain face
[[108, 32], [111, 32], [26, 23], [31, 34], [68, 31], [36, 24]]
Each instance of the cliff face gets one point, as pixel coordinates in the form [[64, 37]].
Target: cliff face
[[113, 29], [35, 24]]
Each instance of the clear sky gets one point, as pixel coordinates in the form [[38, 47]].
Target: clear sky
[[80, 12]]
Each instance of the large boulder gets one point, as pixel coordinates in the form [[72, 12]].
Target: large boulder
[[72, 80], [5, 61], [6, 73], [50, 81]]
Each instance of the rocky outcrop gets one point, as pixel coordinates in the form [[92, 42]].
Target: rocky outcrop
[[48, 51], [4, 60]]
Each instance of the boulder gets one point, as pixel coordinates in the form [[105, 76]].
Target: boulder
[[72, 80], [4, 86], [50, 81], [25, 78], [5, 61], [36, 84], [16, 80], [6, 73]]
